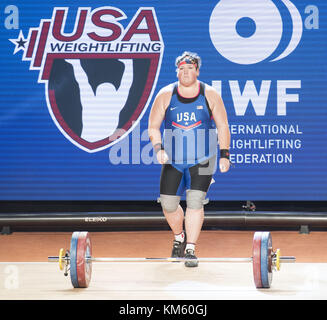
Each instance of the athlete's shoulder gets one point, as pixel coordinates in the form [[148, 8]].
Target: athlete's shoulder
[[211, 93], [210, 90], [212, 96], [163, 97], [166, 90], [165, 93]]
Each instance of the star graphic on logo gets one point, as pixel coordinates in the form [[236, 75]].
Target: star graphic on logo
[[19, 42]]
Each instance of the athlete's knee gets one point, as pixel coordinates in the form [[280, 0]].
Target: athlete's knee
[[195, 199], [169, 203]]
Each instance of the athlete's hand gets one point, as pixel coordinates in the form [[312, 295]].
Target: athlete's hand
[[162, 156], [224, 165]]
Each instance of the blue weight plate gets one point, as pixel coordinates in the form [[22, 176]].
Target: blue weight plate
[[266, 245], [73, 260]]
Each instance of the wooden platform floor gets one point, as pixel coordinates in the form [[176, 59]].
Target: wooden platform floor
[[25, 273]]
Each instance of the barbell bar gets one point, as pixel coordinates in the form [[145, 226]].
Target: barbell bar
[[283, 259], [78, 260]]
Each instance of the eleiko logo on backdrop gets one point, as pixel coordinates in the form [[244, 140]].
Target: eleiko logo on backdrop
[[99, 79], [248, 32]]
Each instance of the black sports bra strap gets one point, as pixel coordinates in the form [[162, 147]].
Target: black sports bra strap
[[202, 87], [175, 88]]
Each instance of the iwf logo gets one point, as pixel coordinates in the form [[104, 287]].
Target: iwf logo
[[100, 77], [264, 30]]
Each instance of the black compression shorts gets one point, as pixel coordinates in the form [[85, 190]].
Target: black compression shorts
[[197, 177]]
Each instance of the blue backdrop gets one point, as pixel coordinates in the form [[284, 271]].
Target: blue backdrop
[[266, 58]]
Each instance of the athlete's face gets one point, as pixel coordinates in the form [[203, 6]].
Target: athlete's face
[[187, 74]]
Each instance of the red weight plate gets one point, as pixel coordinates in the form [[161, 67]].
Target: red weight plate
[[256, 249], [83, 266]]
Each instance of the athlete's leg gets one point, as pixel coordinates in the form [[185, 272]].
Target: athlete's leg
[[200, 179], [171, 184], [194, 215], [173, 212]]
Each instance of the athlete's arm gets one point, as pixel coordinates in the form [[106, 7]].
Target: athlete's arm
[[219, 114], [157, 115]]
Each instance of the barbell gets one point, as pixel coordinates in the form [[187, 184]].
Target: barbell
[[78, 260]]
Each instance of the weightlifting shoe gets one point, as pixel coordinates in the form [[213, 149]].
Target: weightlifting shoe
[[190, 259], [178, 248]]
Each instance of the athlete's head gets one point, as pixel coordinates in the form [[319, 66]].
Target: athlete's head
[[188, 68], [188, 58]]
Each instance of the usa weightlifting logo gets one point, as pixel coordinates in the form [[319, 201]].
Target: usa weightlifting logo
[[264, 30], [99, 79]]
